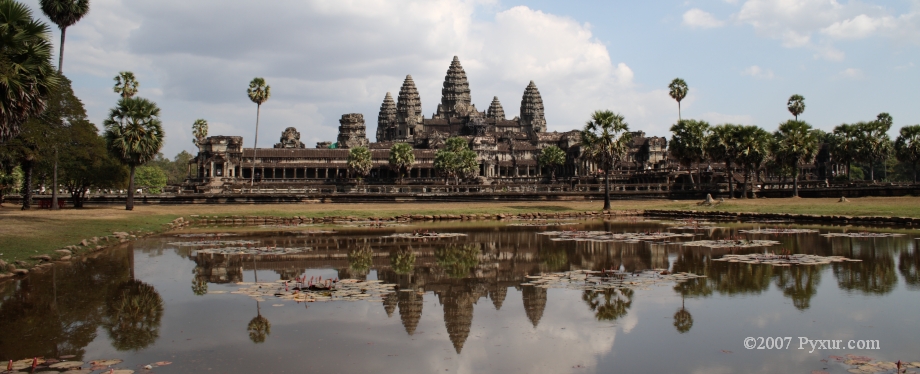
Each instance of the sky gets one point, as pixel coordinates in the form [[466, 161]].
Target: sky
[[741, 60]]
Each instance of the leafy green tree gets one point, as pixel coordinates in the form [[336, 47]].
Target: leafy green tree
[[456, 160], [678, 90], [876, 145], [402, 261], [846, 145], [551, 157], [26, 74], [360, 260], [796, 143], [753, 151], [258, 327], [150, 177], [199, 130], [86, 163], [10, 180], [359, 161], [907, 147], [64, 13], [258, 92], [125, 84], [616, 303], [605, 140], [457, 260], [688, 144], [401, 159], [796, 105], [134, 135], [722, 145], [799, 283]]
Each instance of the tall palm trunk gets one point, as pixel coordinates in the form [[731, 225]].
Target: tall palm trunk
[[795, 182], [27, 166], [129, 202], [747, 178], [607, 188], [848, 171], [872, 171], [255, 146], [61, 54]]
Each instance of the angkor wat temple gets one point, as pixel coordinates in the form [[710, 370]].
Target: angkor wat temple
[[507, 149]]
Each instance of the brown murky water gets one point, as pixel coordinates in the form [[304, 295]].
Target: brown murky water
[[461, 305]]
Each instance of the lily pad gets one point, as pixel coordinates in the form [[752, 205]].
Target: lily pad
[[106, 362], [778, 231], [67, 365], [731, 243]]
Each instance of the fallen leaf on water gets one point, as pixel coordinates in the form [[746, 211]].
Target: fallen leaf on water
[[724, 351], [106, 362], [162, 363]]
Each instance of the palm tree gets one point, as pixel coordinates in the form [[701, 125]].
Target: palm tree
[[846, 144], [605, 139], [401, 159], [907, 147], [678, 90], [796, 105], [27, 76], [683, 320], [753, 151], [359, 162], [876, 145], [134, 135], [134, 312], [199, 130], [551, 157], [722, 145], [259, 327], [688, 144], [796, 144], [125, 84], [258, 92], [64, 13]]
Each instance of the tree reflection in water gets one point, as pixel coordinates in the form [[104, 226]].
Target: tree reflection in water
[[683, 320], [909, 266], [133, 316], [616, 303], [876, 273], [458, 260], [360, 261], [402, 260], [259, 327], [799, 283]]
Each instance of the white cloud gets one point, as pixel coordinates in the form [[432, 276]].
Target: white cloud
[[851, 73], [698, 18], [829, 53], [324, 59], [758, 72], [858, 27]]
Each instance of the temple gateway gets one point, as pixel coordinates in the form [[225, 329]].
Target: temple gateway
[[507, 149]]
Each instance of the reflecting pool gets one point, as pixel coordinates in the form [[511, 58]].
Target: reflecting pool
[[483, 300]]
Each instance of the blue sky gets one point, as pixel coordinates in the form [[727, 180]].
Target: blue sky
[[741, 59]]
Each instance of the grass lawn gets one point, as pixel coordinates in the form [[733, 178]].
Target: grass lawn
[[34, 232]]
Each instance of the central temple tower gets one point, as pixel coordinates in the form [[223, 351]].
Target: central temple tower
[[455, 94]]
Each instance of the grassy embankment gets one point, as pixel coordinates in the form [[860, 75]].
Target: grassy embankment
[[36, 232]]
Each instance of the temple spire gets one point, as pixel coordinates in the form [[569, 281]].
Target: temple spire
[[495, 110], [408, 109], [455, 94], [532, 109], [386, 119]]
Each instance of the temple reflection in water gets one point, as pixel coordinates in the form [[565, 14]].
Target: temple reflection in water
[[459, 272]]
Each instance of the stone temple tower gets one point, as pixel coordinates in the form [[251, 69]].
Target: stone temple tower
[[532, 119], [408, 111], [495, 110], [386, 120], [455, 94], [352, 131]]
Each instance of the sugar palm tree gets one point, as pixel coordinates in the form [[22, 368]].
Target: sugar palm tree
[[199, 130], [134, 135], [846, 144], [907, 147], [26, 76], [359, 161], [401, 159], [876, 145], [796, 105], [678, 90], [605, 140], [64, 13], [753, 151], [125, 84], [688, 144], [722, 145], [796, 144], [258, 92], [683, 320]]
